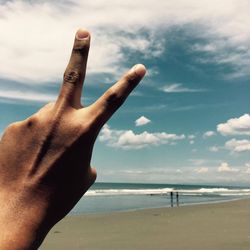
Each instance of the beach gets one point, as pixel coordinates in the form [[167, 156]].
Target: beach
[[221, 226]]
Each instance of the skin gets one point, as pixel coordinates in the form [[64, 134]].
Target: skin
[[45, 160]]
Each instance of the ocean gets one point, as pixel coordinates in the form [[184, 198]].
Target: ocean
[[111, 197]]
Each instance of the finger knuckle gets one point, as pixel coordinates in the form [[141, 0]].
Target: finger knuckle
[[71, 76], [81, 48], [113, 98], [31, 121], [131, 78]]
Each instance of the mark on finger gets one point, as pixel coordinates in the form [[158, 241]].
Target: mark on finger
[[71, 77]]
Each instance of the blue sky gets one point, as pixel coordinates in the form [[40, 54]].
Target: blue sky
[[187, 122]]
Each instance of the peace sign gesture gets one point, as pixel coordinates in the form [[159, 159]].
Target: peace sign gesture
[[45, 159]]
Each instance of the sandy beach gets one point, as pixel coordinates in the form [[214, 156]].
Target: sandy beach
[[208, 226]]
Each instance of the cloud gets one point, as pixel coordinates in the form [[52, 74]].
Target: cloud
[[200, 162], [214, 149], [238, 145], [28, 96], [208, 134], [44, 32], [178, 88], [247, 170], [222, 52], [127, 139], [201, 170], [37, 33], [142, 121], [191, 137], [235, 126], [197, 162], [177, 174], [224, 167]]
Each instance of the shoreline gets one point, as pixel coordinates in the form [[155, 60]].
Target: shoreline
[[223, 226], [157, 207]]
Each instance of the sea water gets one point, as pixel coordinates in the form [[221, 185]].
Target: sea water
[[110, 197]]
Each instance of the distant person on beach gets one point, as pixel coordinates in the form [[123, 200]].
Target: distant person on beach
[[172, 198], [45, 159]]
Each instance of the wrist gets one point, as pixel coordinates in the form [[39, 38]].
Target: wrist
[[22, 227], [17, 237]]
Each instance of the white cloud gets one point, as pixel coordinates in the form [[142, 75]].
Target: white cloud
[[208, 134], [38, 34], [214, 149], [222, 51], [224, 167], [178, 174], [29, 96], [247, 171], [197, 162], [201, 170], [238, 145], [127, 139], [178, 88], [191, 137], [235, 126], [142, 121]]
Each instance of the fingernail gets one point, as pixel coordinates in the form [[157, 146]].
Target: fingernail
[[139, 69], [82, 34]]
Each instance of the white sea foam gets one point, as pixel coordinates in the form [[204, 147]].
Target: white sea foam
[[99, 192], [166, 191]]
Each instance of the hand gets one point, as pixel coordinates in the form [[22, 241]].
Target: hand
[[45, 159]]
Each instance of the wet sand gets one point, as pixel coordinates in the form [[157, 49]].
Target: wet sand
[[220, 226]]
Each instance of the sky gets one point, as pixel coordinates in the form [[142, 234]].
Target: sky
[[187, 122]]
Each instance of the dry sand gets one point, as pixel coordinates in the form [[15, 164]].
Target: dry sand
[[212, 226]]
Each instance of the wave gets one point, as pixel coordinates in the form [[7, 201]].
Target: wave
[[166, 191], [98, 192]]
